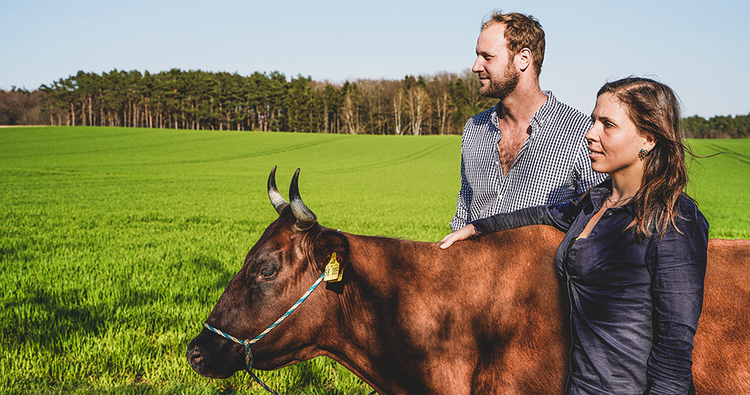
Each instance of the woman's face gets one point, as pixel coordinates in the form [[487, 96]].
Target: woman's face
[[614, 141]]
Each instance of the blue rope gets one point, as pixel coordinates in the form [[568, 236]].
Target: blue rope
[[248, 343], [290, 311], [262, 384]]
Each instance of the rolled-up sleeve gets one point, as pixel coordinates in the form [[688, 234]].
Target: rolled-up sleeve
[[464, 195], [678, 261]]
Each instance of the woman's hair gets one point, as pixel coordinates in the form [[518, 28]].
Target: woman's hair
[[655, 110]]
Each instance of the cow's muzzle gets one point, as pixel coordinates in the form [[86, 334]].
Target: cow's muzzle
[[209, 357], [195, 358]]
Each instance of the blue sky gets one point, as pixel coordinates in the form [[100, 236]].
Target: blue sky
[[700, 48]]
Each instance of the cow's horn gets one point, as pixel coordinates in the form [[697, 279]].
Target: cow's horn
[[305, 217], [273, 193]]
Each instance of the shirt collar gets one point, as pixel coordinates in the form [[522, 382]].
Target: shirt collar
[[546, 111], [601, 192], [540, 117]]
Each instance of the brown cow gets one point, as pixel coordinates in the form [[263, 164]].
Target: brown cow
[[482, 317]]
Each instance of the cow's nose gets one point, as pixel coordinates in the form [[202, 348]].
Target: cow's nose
[[195, 358]]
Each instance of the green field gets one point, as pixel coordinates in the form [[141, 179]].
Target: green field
[[115, 243]]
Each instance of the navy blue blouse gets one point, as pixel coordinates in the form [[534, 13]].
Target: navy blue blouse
[[633, 304]]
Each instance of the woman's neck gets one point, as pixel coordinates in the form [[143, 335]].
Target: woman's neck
[[623, 189]]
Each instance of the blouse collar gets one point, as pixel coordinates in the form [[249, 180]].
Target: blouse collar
[[601, 192]]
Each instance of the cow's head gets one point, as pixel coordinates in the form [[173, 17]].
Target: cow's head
[[289, 257]]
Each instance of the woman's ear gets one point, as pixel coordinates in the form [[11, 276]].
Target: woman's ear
[[649, 142]]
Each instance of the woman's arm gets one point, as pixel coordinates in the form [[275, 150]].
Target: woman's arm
[[538, 215], [678, 271], [560, 216]]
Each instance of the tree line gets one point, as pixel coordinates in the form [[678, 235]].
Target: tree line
[[435, 104], [438, 104], [19, 107], [718, 127]]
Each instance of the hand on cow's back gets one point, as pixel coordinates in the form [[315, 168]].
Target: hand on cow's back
[[461, 234]]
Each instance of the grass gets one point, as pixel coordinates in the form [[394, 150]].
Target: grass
[[721, 185], [115, 243]]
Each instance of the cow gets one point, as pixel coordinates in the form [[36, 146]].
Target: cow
[[483, 317]]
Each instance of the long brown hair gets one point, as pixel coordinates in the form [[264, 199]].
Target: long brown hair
[[655, 110]]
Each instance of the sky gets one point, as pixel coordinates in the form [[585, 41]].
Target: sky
[[699, 48]]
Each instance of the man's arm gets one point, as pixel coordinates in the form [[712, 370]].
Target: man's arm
[[462, 210]]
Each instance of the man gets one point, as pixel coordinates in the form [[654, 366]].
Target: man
[[530, 148]]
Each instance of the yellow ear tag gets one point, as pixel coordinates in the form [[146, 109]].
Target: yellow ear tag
[[333, 274]]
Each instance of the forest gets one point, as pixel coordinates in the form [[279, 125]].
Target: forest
[[194, 99]]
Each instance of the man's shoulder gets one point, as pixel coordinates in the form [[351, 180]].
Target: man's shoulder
[[562, 117], [563, 110], [574, 115]]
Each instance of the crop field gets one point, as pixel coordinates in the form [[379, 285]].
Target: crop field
[[115, 243]]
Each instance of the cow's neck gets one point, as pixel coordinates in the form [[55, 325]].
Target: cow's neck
[[372, 333], [413, 319]]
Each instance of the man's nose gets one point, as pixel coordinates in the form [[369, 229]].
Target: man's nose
[[477, 67]]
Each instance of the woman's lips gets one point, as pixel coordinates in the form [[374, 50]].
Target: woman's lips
[[595, 154]]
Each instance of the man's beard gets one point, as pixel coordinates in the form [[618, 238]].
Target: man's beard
[[505, 86]]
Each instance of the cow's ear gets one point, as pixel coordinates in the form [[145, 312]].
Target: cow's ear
[[326, 244]]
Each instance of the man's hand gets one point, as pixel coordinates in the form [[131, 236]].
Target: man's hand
[[461, 234]]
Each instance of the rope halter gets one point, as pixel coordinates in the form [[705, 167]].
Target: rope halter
[[248, 343]]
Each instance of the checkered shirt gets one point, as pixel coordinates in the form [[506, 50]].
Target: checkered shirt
[[552, 166]]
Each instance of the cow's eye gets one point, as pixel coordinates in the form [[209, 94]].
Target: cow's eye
[[267, 272]]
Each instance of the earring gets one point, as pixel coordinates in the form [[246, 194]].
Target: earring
[[643, 153]]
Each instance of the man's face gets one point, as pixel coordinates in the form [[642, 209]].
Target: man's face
[[497, 73]]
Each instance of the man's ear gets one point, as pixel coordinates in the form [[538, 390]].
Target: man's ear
[[326, 244], [524, 59]]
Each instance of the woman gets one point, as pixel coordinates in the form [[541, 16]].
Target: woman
[[633, 259]]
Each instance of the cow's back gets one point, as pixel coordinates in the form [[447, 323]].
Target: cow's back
[[721, 359], [480, 317], [531, 357]]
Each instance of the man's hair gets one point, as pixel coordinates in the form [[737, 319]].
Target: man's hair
[[521, 31]]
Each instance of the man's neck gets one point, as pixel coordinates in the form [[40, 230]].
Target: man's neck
[[519, 107]]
